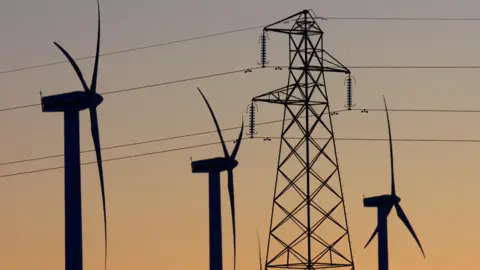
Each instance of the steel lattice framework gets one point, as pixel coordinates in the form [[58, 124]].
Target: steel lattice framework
[[308, 227]]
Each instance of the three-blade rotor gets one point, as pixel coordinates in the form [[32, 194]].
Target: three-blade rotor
[[92, 91], [230, 158], [394, 200]]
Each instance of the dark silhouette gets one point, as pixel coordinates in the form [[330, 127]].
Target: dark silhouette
[[259, 252], [307, 168], [384, 204], [348, 82], [214, 167], [71, 104]]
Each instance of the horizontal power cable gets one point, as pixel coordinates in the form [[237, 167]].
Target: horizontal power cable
[[246, 70], [401, 67], [264, 138], [225, 129], [420, 110], [401, 18], [133, 49], [380, 139], [231, 32], [137, 143], [118, 146], [116, 159], [145, 86], [413, 67]]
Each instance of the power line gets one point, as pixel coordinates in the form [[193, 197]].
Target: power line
[[118, 146], [180, 81], [225, 129], [401, 18], [135, 143], [420, 110], [403, 67], [145, 86], [384, 139], [118, 158], [235, 31], [413, 67], [265, 138], [246, 70], [133, 49]]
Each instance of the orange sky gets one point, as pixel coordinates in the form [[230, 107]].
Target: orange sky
[[157, 208]]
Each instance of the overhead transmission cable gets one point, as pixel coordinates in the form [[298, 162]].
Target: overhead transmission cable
[[132, 49], [236, 31], [117, 158], [208, 144], [144, 86], [401, 18], [244, 70], [123, 145], [226, 129]]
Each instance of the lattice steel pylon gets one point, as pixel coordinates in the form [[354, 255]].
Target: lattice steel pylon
[[308, 227]]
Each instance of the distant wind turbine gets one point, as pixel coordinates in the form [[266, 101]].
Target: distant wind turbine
[[384, 204], [214, 167], [71, 104], [259, 252]]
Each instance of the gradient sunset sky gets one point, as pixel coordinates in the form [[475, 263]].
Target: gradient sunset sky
[[158, 209]]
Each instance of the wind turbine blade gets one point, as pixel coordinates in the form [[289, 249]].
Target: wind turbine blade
[[232, 206], [239, 140], [259, 252], [371, 237], [225, 151], [93, 85], [376, 229], [404, 218], [96, 142], [391, 148], [75, 66]]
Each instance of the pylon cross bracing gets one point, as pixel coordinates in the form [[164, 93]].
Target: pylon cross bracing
[[308, 227]]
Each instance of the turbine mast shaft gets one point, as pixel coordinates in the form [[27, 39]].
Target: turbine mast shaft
[[73, 193], [215, 217], [382, 215]]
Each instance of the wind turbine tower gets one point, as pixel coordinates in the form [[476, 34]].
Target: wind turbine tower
[[308, 226], [71, 104], [214, 166], [384, 205]]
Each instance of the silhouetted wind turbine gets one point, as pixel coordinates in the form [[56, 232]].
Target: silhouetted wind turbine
[[71, 104], [214, 167], [384, 204], [259, 252]]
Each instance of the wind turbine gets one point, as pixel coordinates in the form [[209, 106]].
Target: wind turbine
[[71, 104], [384, 204], [259, 251], [214, 167]]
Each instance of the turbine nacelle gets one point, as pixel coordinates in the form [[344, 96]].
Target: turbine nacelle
[[73, 101], [382, 200], [218, 164]]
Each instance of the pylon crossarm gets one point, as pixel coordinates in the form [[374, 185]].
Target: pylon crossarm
[[282, 21]]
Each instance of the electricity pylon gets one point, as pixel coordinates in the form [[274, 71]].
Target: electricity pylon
[[308, 227]]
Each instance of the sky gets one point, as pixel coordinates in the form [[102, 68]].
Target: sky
[[158, 209]]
